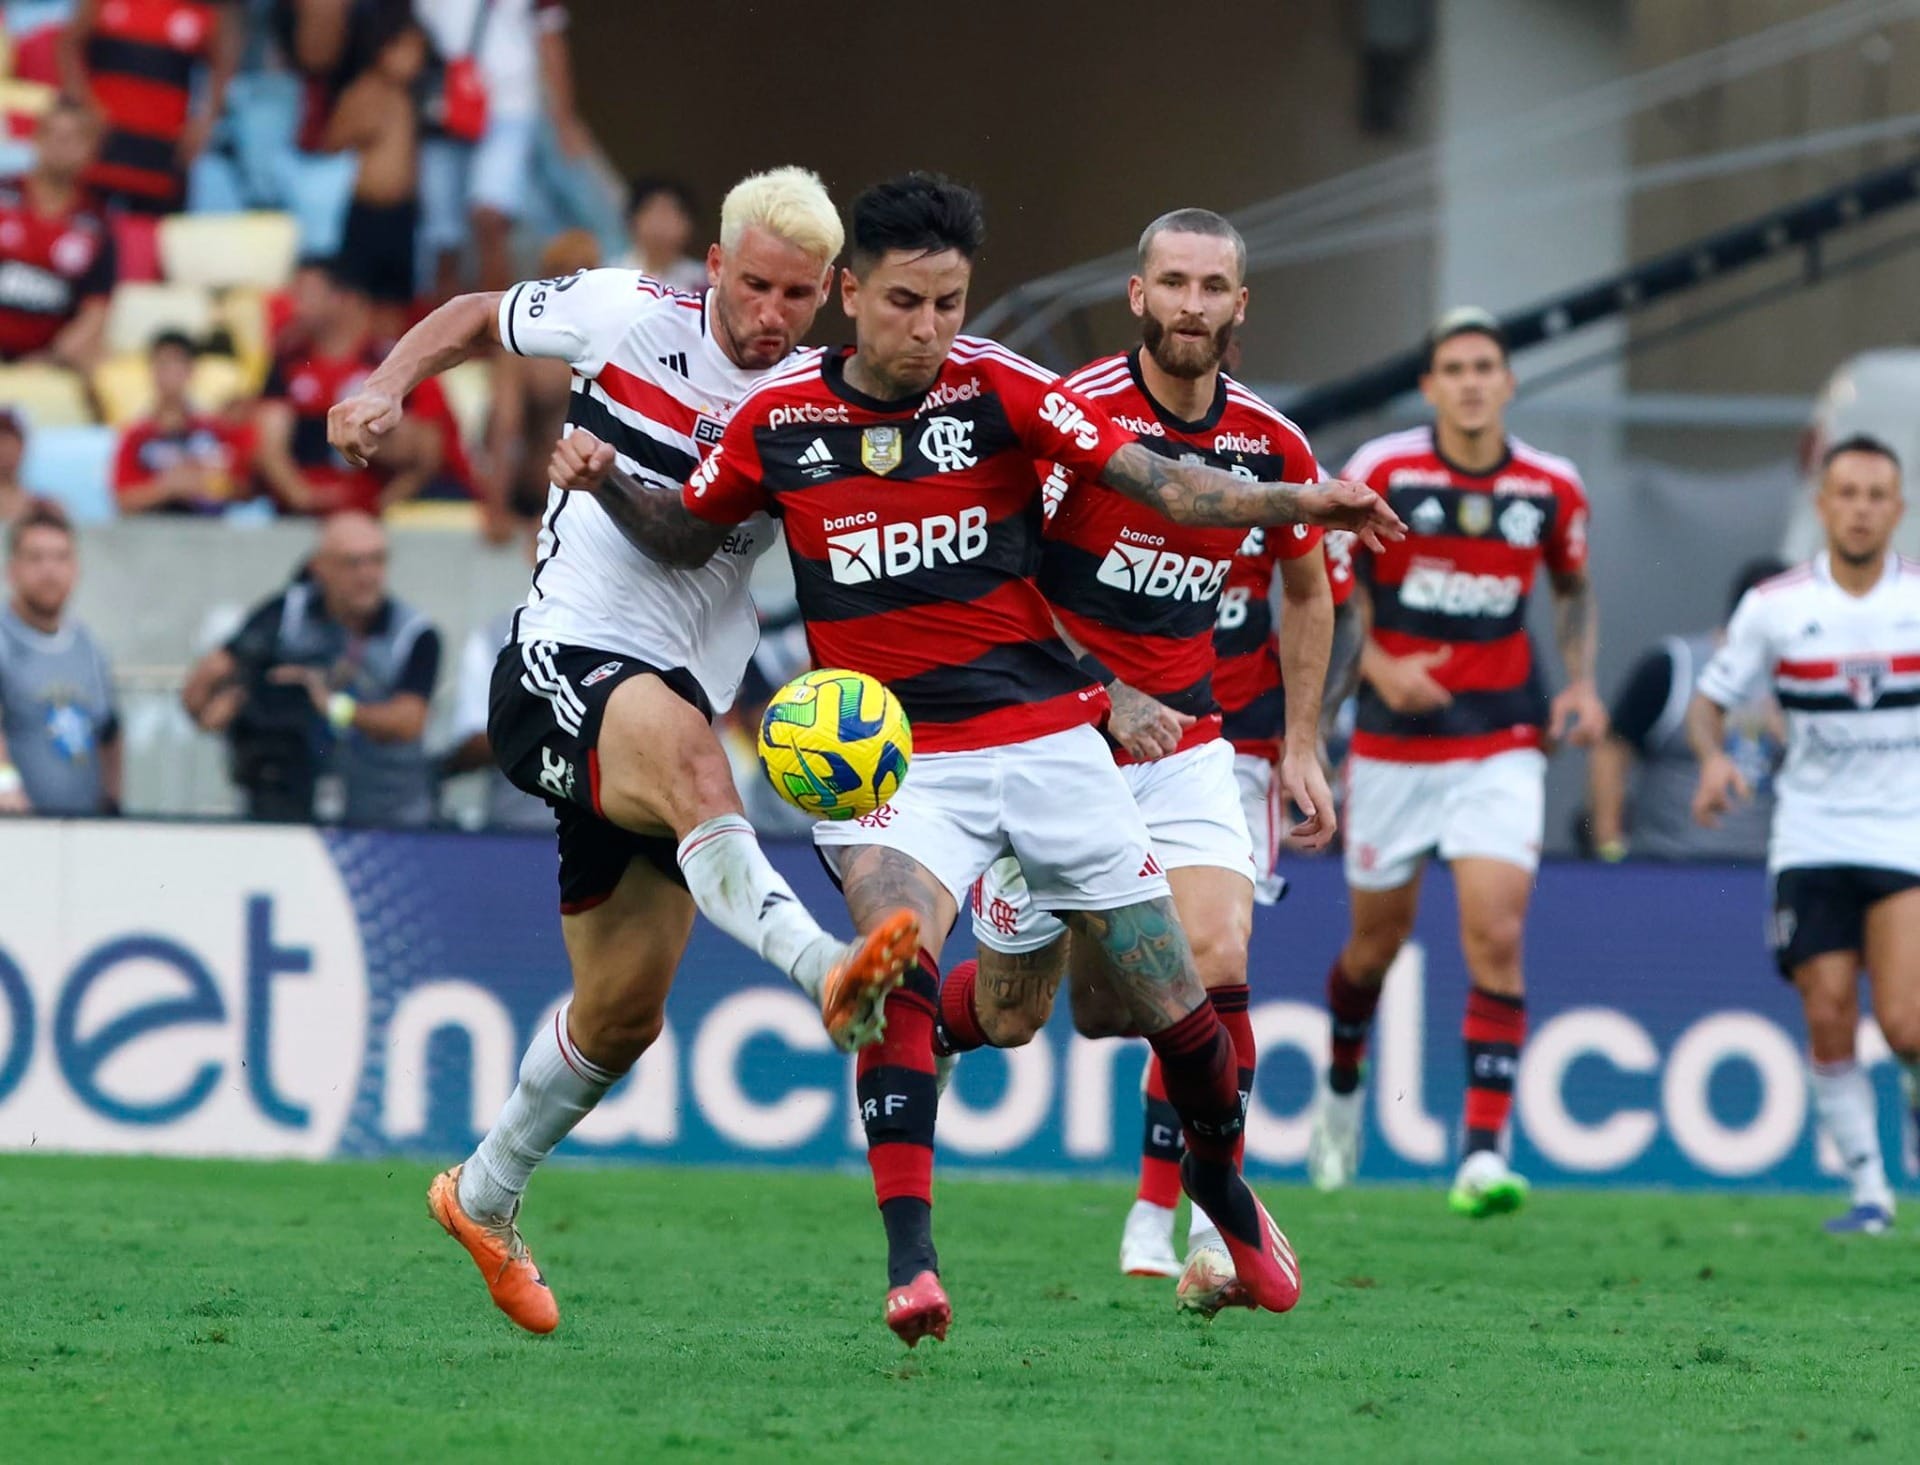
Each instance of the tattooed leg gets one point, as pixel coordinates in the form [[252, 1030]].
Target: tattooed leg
[[1013, 993], [1148, 961]]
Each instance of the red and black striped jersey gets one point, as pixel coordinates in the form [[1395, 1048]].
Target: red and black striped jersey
[[50, 265], [914, 529], [141, 56], [1460, 581], [1136, 589], [1246, 679]]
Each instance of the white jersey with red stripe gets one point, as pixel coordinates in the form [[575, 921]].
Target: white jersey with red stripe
[[1846, 672], [648, 378]]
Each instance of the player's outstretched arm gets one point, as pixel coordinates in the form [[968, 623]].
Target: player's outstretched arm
[[1193, 493], [465, 326], [1721, 782], [655, 521]]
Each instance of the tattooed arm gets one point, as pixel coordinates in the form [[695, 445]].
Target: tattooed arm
[[1146, 727], [1148, 960], [1577, 715], [655, 521], [1193, 493]]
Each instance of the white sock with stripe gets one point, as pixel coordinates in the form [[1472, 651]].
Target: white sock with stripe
[[737, 888], [1843, 1102], [558, 1088]]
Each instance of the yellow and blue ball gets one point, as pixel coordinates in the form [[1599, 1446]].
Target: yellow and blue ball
[[835, 744]]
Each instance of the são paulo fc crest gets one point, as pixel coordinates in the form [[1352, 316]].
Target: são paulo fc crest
[[1476, 514], [881, 449], [1864, 680]]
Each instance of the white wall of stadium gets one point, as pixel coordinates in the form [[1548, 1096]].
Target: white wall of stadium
[[261, 991]]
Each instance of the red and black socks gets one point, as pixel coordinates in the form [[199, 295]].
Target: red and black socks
[[1493, 1030], [898, 1102], [1350, 1009], [956, 1026]]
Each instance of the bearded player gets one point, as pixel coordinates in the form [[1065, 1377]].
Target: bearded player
[[1449, 751], [604, 694], [1137, 596], [903, 470], [1839, 641]]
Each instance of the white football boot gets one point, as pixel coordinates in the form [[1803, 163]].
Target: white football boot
[[1333, 1150], [1485, 1186], [1146, 1242]]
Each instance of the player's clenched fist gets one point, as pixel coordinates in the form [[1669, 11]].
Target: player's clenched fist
[[1338, 504], [580, 460], [356, 424]]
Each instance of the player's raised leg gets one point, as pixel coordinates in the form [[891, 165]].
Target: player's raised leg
[[623, 950], [898, 1097], [1493, 896], [1843, 1101], [659, 765], [1382, 920]]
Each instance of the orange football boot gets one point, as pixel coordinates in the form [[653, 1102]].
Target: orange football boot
[[513, 1280], [853, 997]]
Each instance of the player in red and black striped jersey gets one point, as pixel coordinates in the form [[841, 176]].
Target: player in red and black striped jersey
[[1136, 594], [904, 475], [57, 260], [1449, 752]]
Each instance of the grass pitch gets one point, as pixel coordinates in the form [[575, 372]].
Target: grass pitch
[[167, 1310]]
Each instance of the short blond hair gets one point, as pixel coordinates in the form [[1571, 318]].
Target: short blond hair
[[791, 203]]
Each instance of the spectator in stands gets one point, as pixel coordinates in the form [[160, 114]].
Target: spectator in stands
[[660, 223], [14, 497], [178, 460], [377, 119], [156, 72], [476, 190], [1654, 820], [506, 806], [528, 408], [59, 731], [57, 259], [331, 348], [332, 676]]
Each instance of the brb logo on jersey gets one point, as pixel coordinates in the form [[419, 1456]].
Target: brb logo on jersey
[[1137, 564], [867, 550], [1435, 585]]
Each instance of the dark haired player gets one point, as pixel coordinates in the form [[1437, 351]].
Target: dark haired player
[[903, 470], [1138, 594], [1449, 753], [1839, 641]]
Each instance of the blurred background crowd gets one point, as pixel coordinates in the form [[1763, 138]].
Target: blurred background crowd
[[215, 214]]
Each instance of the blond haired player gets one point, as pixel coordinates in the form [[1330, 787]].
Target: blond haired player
[[603, 696]]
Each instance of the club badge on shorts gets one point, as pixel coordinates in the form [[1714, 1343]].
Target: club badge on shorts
[[881, 449]]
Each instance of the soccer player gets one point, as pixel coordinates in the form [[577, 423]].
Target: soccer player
[[903, 470], [1839, 640], [1138, 595], [603, 696], [1449, 751]]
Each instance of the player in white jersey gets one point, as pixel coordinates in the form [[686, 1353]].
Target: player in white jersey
[[603, 698], [1839, 639]]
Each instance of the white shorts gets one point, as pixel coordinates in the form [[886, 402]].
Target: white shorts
[[1056, 803], [1192, 807], [1470, 808], [458, 177], [1266, 816]]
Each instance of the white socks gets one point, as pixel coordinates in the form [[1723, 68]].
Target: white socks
[[740, 892], [1843, 1102], [557, 1089]]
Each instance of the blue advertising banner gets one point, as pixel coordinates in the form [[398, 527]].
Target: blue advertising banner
[[269, 991]]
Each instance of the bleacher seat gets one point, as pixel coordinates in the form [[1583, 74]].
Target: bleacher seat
[[221, 250], [47, 396], [243, 314], [124, 386], [469, 390], [75, 466], [142, 310]]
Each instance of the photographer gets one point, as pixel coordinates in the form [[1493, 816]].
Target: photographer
[[329, 677]]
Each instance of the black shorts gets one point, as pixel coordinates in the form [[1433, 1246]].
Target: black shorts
[[1822, 908], [543, 719], [377, 250]]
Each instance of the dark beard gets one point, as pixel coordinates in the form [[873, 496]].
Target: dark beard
[[1178, 359]]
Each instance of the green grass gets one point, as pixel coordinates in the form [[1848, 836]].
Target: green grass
[[166, 1310]]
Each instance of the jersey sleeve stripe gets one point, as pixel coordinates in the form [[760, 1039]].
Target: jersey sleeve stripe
[[506, 317], [975, 348]]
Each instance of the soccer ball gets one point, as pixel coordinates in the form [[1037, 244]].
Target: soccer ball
[[835, 744]]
